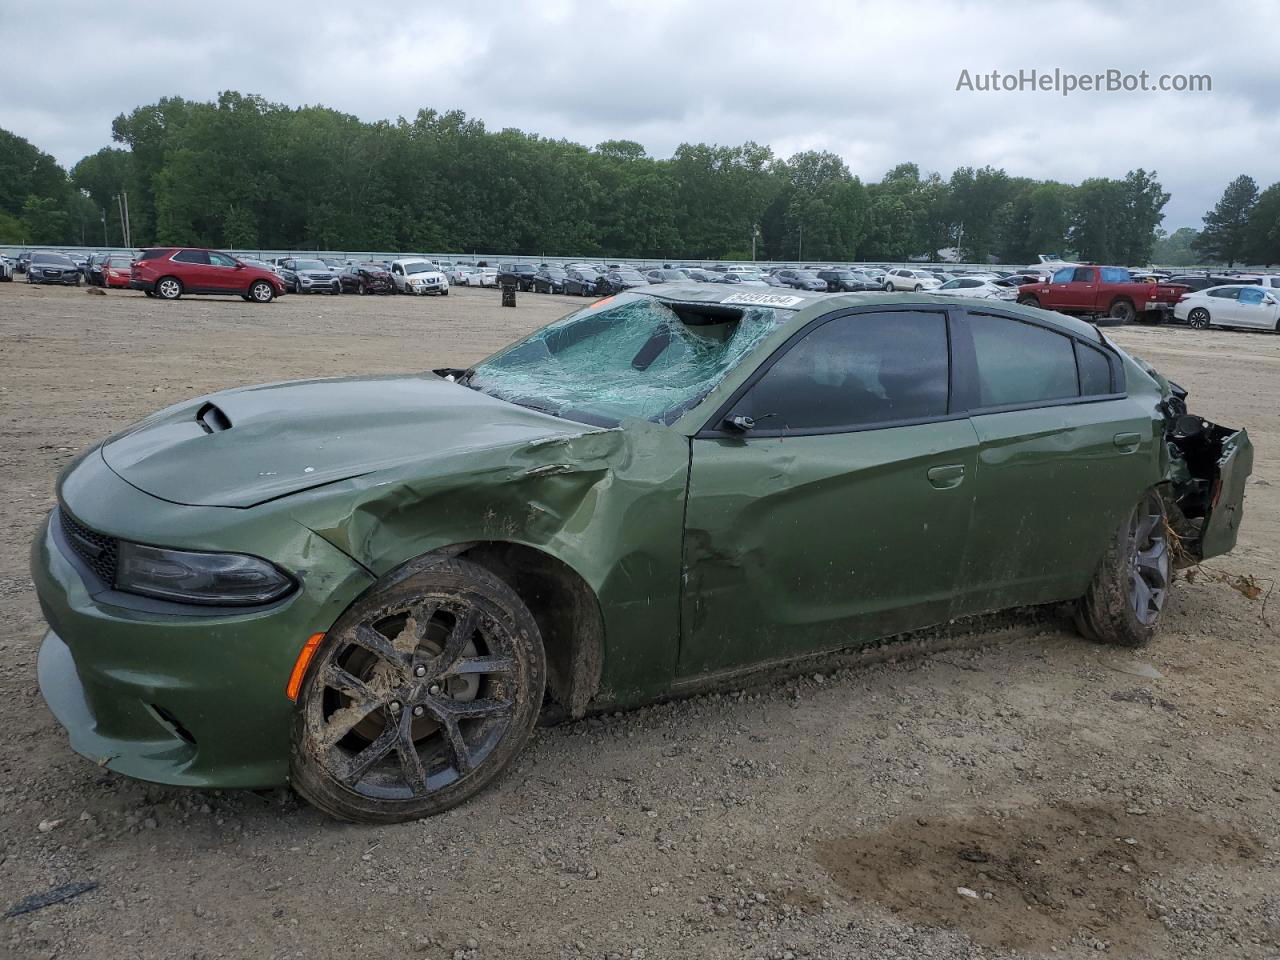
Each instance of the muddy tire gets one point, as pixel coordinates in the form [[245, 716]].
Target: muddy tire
[[421, 694], [1027, 300], [1123, 603]]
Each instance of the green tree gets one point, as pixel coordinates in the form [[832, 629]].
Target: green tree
[[1225, 226], [1175, 249], [1262, 232]]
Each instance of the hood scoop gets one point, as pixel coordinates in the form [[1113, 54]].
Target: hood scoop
[[213, 419]]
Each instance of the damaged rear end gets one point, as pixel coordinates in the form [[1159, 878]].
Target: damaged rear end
[[1208, 466]]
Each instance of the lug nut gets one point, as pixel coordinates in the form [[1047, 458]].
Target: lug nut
[[434, 690], [418, 711], [395, 706], [419, 671]]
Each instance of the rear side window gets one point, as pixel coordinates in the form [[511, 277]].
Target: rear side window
[[155, 253], [1095, 371], [1116, 275], [855, 371], [191, 256], [1021, 363]]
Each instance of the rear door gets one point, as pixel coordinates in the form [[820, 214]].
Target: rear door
[[1063, 456], [1224, 305], [840, 513], [192, 268]]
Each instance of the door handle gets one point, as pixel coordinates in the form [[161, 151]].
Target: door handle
[[947, 476], [1127, 442]]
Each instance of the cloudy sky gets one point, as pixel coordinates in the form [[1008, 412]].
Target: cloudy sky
[[873, 82]]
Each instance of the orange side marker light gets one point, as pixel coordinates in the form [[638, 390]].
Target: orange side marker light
[[300, 666]]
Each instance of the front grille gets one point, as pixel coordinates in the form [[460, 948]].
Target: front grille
[[98, 551]]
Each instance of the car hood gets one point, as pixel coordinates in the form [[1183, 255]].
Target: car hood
[[246, 446]]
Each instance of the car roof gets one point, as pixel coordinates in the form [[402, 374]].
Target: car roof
[[805, 305]]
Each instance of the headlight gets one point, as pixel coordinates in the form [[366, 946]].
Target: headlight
[[210, 578]]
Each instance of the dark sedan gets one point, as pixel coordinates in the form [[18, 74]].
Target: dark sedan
[[847, 280], [53, 268], [802, 279], [366, 278], [616, 281], [549, 280], [581, 282], [667, 276]]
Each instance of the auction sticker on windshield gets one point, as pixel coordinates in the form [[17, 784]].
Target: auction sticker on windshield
[[764, 299]]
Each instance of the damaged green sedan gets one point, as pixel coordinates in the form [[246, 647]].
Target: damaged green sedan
[[371, 588]]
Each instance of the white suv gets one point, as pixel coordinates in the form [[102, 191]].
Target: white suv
[[418, 276], [912, 280]]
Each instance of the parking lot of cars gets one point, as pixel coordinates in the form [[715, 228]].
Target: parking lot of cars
[[1105, 294]]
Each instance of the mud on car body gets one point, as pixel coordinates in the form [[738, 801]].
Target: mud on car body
[[370, 587]]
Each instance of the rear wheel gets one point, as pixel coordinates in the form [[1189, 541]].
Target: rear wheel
[[422, 694], [1123, 603], [1123, 311], [169, 288], [1198, 318], [261, 292]]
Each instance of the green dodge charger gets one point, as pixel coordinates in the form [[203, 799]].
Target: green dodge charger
[[370, 588]]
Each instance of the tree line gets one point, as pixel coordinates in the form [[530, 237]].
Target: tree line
[[245, 173]]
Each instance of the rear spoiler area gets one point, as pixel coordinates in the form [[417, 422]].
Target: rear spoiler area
[[1208, 466]]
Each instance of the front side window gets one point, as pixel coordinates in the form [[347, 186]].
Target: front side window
[[855, 371], [1252, 295], [627, 356], [1021, 363], [221, 260], [1064, 275]]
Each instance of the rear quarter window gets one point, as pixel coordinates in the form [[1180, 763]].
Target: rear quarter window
[[1020, 363]]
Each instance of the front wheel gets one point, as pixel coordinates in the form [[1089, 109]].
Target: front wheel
[[1127, 595], [1198, 318], [917, 288], [1029, 301], [423, 693], [261, 292]]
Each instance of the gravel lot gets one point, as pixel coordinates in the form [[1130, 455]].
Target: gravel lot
[[1015, 792]]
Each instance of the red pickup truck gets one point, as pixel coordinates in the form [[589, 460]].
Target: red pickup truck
[[1103, 290]]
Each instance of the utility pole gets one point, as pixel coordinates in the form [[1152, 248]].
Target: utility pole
[[128, 228], [124, 237], [105, 241], [755, 233], [800, 244]]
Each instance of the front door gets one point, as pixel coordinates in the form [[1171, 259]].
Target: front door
[[225, 275], [837, 509], [1255, 308]]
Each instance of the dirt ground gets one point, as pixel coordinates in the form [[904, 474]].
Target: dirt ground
[[1022, 794]]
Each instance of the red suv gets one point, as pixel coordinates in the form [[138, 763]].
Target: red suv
[[169, 272]]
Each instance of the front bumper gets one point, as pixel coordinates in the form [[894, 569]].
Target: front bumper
[[172, 694], [431, 287], [309, 285]]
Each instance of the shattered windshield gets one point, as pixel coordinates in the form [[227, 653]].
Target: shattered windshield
[[626, 356]]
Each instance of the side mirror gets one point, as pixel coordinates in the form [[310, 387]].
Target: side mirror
[[239, 265]]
